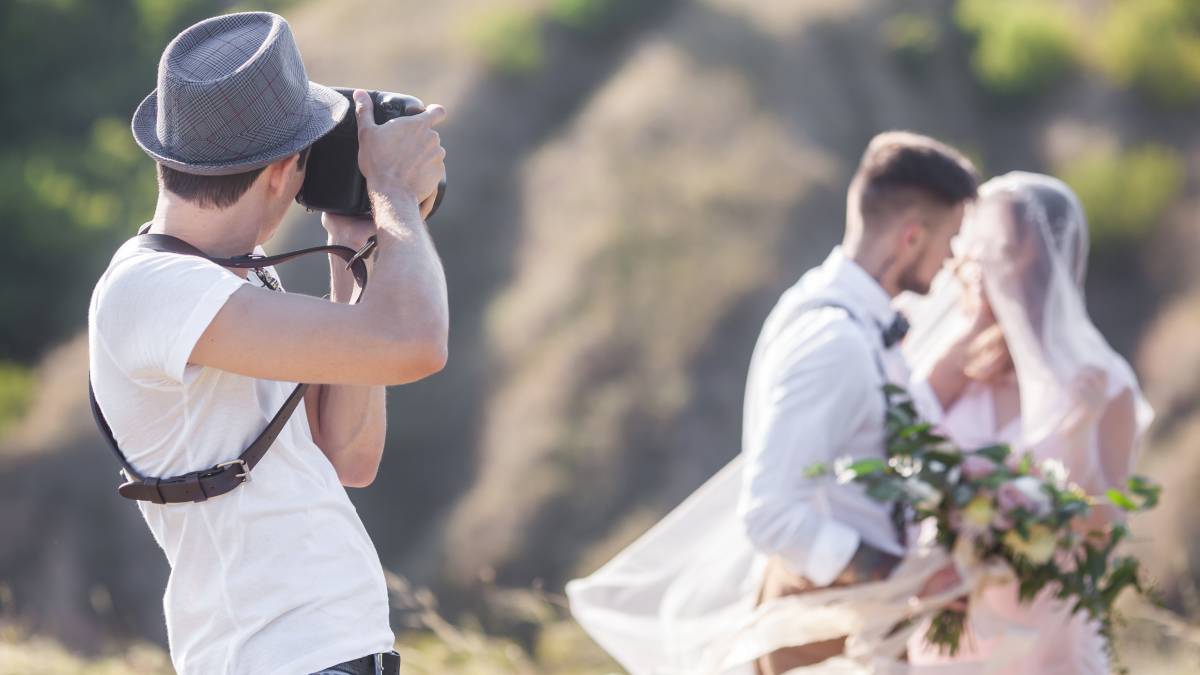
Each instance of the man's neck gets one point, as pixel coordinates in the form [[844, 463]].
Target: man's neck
[[220, 233], [877, 261]]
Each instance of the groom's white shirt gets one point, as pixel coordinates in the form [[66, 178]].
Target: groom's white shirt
[[814, 395]]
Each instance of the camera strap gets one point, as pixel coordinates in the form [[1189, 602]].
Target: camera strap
[[198, 486]]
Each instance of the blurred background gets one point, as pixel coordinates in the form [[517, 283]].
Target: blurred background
[[632, 185]]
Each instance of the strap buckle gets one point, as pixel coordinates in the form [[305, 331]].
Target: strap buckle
[[244, 475], [361, 254]]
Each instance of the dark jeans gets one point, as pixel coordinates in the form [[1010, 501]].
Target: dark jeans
[[366, 665]]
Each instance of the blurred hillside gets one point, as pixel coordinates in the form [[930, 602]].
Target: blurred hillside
[[632, 184]]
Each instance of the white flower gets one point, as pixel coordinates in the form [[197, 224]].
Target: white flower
[[841, 469], [925, 495], [954, 475], [1055, 472], [1031, 489], [905, 466]]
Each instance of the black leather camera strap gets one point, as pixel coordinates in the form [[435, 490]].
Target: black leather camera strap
[[198, 486]]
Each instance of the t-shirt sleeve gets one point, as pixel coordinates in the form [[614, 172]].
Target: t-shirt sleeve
[[155, 308]]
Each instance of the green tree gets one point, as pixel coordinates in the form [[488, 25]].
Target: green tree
[[1021, 46], [1155, 46], [72, 182], [1125, 194]]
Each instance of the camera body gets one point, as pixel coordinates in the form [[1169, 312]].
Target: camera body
[[332, 180]]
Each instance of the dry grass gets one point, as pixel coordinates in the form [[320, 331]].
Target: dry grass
[[1152, 642]]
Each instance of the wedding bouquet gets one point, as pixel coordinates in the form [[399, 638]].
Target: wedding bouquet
[[991, 505]]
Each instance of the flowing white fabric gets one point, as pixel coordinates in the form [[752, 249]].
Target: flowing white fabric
[[1027, 238], [681, 601]]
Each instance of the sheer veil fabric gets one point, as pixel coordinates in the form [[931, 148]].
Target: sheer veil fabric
[[1027, 238]]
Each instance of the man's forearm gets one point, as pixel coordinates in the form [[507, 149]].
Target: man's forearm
[[352, 419], [408, 284], [868, 564]]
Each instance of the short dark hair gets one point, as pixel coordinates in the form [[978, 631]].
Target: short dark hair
[[212, 191], [900, 168]]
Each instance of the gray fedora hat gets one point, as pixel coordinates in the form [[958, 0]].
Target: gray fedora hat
[[233, 96]]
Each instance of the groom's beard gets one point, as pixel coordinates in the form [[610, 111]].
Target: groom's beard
[[910, 279]]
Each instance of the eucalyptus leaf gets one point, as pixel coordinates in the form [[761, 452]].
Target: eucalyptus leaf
[[1121, 500]]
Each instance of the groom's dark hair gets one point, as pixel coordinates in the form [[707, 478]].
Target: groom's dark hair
[[900, 168]]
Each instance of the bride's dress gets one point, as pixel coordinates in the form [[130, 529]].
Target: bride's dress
[[1058, 642]]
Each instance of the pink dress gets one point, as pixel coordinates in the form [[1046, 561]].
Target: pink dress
[[1059, 643]]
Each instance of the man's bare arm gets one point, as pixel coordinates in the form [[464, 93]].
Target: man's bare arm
[[398, 333], [348, 422]]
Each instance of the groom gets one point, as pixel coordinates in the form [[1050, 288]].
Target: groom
[[814, 393]]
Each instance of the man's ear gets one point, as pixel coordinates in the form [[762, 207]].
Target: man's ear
[[279, 173], [913, 231]]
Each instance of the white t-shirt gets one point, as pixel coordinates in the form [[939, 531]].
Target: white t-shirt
[[277, 576]]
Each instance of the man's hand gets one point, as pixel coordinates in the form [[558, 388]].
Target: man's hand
[[402, 157], [942, 581]]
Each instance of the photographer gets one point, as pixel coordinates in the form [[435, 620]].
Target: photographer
[[190, 360]]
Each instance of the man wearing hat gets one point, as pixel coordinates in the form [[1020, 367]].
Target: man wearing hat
[[190, 360]]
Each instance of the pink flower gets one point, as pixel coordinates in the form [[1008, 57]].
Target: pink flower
[[975, 467], [1023, 493], [1009, 498]]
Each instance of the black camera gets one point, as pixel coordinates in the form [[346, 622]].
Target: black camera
[[332, 181]]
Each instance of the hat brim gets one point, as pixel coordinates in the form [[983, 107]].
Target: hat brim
[[323, 109]]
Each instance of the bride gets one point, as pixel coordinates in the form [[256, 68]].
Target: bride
[[681, 599], [1041, 379]]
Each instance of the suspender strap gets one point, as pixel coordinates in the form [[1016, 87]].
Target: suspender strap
[[900, 515], [821, 303], [198, 486]]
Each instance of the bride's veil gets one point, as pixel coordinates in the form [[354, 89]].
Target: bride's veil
[[1027, 237]]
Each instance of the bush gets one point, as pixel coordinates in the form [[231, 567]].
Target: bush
[[509, 41], [1021, 46], [1125, 194], [911, 38], [72, 183], [596, 17], [1155, 46]]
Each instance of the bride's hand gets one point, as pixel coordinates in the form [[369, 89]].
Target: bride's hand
[[985, 350], [975, 306], [987, 355]]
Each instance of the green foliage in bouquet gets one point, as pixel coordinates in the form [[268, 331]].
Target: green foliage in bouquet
[[990, 504]]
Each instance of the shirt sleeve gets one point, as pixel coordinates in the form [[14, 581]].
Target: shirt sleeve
[[154, 308], [809, 397]]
